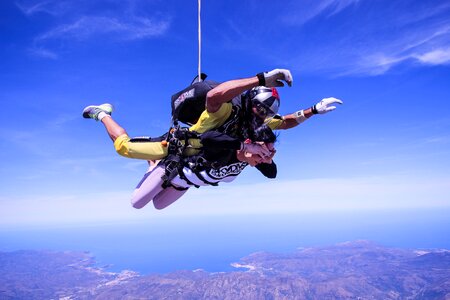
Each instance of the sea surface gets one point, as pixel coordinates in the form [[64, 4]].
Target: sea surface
[[213, 243]]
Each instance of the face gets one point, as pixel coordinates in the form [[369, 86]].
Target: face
[[261, 111]]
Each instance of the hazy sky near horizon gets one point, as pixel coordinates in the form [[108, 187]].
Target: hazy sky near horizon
[[387, 147]]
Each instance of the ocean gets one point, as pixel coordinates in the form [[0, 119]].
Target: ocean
[[213, 243]]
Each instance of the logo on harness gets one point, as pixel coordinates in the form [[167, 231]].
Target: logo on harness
[[233, 169], [182, 97]]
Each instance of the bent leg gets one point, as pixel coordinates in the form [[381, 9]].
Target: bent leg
[[113, 128], [148, 187], [148, 150], [166, 197], [140, 150]]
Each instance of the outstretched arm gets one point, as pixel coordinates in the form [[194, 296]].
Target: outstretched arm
[[228, 90], [324, 106]]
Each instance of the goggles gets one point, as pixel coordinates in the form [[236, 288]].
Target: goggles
[[263, 111]]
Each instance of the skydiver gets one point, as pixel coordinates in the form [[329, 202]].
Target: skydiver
[[237, 118]]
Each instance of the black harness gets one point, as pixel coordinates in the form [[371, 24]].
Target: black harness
[[175, 161], [237, 125]]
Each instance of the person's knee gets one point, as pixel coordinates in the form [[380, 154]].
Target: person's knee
[[167, 197], [159, 205], [138, 203], [121, 145]]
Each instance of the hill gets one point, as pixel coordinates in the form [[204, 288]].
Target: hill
[[352, 270]]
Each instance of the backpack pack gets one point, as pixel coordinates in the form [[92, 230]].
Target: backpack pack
[[189, 103]]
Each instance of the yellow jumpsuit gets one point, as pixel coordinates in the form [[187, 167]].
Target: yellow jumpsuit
[[157, 150]]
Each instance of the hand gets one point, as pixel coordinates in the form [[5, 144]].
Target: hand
[[324, 105], [275, 78], [256, 149], [271, 148], [267, 159]]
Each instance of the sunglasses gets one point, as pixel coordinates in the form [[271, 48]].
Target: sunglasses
[[263, 110]]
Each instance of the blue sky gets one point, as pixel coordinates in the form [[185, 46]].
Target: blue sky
[[387, 147]]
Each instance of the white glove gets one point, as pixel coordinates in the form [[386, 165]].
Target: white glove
[[324, 105], [275, 78], [256, 149]]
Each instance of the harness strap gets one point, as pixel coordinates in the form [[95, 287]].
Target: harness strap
[[200, 176], [175, 162], [182, 176], [171, 165], [178, 188]]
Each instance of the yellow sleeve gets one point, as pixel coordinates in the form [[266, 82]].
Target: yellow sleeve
[[274, 123], [208, 121]]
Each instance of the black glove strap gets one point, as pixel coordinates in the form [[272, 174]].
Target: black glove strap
[[261, 79], [314, 110]]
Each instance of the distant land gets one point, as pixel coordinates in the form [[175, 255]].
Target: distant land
[[351, 270]]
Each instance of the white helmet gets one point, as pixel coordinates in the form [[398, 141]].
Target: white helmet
[[266, 98]]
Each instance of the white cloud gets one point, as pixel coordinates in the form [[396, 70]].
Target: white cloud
[[49, 7], [375, 64], [412, 47], [435, 57], [301, 12], [90, 26], [380, 58], [67, 209], [42, 52], [29, 138], [394, 35], [330, 194], [341, 4], [61, 120], [78, 21], [276, 197], [438, 139]]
